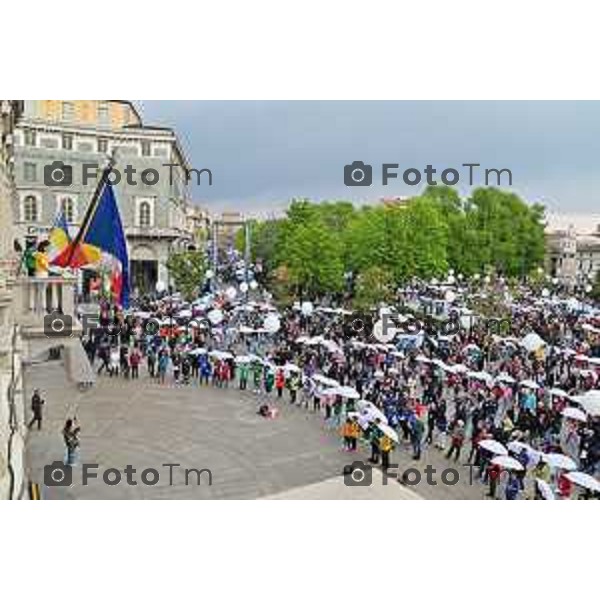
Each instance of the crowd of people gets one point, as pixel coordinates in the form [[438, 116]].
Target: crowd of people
[[520, 401]]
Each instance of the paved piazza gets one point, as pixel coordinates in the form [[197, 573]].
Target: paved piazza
[[146, 425]]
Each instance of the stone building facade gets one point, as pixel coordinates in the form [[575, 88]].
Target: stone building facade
[[573, 257], [152, 171], [12, 410]]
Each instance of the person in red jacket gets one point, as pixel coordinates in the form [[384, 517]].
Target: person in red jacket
[[279, 382]]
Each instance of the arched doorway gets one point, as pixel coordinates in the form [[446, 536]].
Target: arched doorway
[[144, 269]]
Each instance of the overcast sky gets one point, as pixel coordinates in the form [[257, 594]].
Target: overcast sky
[[262, 154]]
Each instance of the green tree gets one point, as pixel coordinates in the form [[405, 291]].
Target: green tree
[[187, 270], [373, 285]]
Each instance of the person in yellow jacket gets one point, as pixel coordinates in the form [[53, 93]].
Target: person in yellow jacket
[[385, 447], [350, 432]]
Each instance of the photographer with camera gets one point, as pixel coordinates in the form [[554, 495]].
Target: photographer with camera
[[71, 438]]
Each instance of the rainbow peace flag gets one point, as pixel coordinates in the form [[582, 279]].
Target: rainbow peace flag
[[101, 241], [58, 237]]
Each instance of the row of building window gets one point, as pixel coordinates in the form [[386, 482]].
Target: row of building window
[[31, 213], [30, 139]]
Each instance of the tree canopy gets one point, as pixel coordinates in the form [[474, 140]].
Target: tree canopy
[[318, 243]]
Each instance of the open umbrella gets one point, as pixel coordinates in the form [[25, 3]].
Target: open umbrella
[[558, 392], [584, 480], [493, 446], [574, 413], [346, 392], [325, 380], [369, 410], [508, 462], [559, 461], [545, 489], [242, 360], [529, 383], [590, 402]]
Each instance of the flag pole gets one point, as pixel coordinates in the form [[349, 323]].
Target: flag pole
[[91, 209]]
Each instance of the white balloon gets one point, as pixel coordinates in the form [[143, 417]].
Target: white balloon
[[450, 296], [307, 308], [253, 285], [272, 323], [231, 293], [209, 274], [451, 279], [215, 316], [160, 286], [243, 287], [588, 288], [545, 292]]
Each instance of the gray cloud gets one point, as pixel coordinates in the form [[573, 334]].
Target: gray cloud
[[264, 153]]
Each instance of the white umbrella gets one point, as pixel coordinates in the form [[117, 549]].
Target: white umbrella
[[363, 420], [459, 368], [346, 392], [290, 368], [505, 379], [529, 383], [197, 351], [559, 461], [508, 462], [532, 342], [558, 392], [325, 380], [388, 431], [533, 455], [584, 480], [242, 360], [590, 402], [369, 410], [545, 490], [574, 413], [493, 446]]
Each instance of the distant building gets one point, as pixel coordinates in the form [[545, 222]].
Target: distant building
[[227, 225], [155, 213], [572, 257], [396, 201]]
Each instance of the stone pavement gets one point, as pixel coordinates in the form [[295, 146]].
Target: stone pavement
[[147, 425]]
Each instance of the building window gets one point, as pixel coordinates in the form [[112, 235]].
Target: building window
[[103, 113], [68, 111], [102, 145], [146, 149], [145, 214], [68, 209], [30, 137], [67, 141], [30, 171], [30, 209]]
